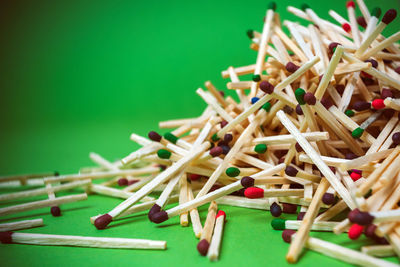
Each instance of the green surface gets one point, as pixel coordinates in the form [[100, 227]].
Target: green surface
[[80, 76]]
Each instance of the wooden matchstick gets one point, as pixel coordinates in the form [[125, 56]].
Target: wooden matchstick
[[281, 224], [206, 234], [21, 225], [213, 250]]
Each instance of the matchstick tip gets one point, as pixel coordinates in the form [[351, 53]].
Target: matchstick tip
[[266, 87], [278, 224], [6, 237], [254, 192], [215, 137], [328, 198], [164, 154], [310, 99], [256, 78], [376, 12], [154, 136], [232, 172], [326, 102], [272, 5], [55, 211], [346, 27], [369, 230], [299, 111], [397, 70], [361, 21], [170, 137], [291, 67], [102, 221], [291, 171], [287, 235], [332, 46], [202, 247], [299, 94], [260, 148], [350, 4], [361, 105], [357, 132], [396, 138], [298, 147], [355, 231], [221, 213], [373, 62], [301, 215], [216, 151], [289, 208], [228, 138], [386, 92], [266, 107], [154, 209], [363, 218], [159, 217], [247, 181], [389, 16], [275, 209], [304, 7], [254, 99], [349, 113], [352, 214], [122, 182], [250, 34]]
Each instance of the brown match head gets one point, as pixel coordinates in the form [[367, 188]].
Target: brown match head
[[363, 218], [291, 171], [361, 21], [310, 99], [397, 70], [275, 209], [159, 217], [247, 181], [102, 221], [289, 208], [287, 235], [156, 208], [228, 138], [266, 87], [55, 211], [369, 230], [122, 182], [154, 136], [389, 16], [223, 123], [340, 88], [386, 92], [298, 147], [299, 111], [332, 46], [202, 247], [396, 138], [350, 156], [373, 62], [300, 216], [361, 105], [216, 151], [326, 102], [6, 237], [328, 199], [352, 215], [291, 67]]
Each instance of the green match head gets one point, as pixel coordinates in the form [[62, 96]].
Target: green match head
[[357, 132], [272, 5], [250, 34], [260, 148], [163, 154], [299, 93], [215, 137], [304, 7], [278, 224], [170, 137], [349, 113], [266, 107], [376, 12], [256, 78], [232, 172]]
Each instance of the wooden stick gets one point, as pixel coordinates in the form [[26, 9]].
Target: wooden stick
[[208, 229], [21, 225]]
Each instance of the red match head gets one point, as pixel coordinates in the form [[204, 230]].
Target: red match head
[[378, 104], [254, 192], [350, 4], [102, 221], [221, 213], [355, 176], [355, 231], [346, 27]]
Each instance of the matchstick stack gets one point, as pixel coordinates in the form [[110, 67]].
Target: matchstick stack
[[314, 131]]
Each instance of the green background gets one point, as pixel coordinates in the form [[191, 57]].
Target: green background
[[80, 76]]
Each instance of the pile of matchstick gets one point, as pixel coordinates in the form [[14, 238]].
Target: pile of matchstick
[[314, 131]]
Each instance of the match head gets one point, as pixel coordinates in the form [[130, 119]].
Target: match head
[[254, 192], [159, 217], [287, 109], [215, 137], [232, 172], [328, 199], [361, 105], [340, 88], [378, 104], [272, 5], [304, 7], [299, 94], [346, 27], [298, 147], [193, 176], [102, 221], [55, 211], [357, 132], [287, 235], [326, 102], [221, 213], [278, 224], [247, 182], [225, 149], [361, 21], [332, 46], [389, 16], [254, 99], [349, 113], [275, 209], [228, 138], [122, 182], [396, 138], [266, 87], [386, 92], [216, 151], [202, 247], [397, 70], [156, 208], [223, 123], [369, 230], [373, 62], [363, 218], [352, 215], [154, 136], [301, 215], [355, 176], [310, 99], [6, 237], [350, 156], [289, 208], [355, 231], [299, 111], [291, 67], [350, 4], [250, 34], [170, 137], [376, 12], [256, 78], [266, 107], [260, 148], [164, 154], [291, 171]]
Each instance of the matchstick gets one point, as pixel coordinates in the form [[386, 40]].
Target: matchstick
[[194, 215], [213, 250], [20, 225], [350, 5], [281, 224], [206, 234], [80, 241], [378, 250], [255, 192]]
